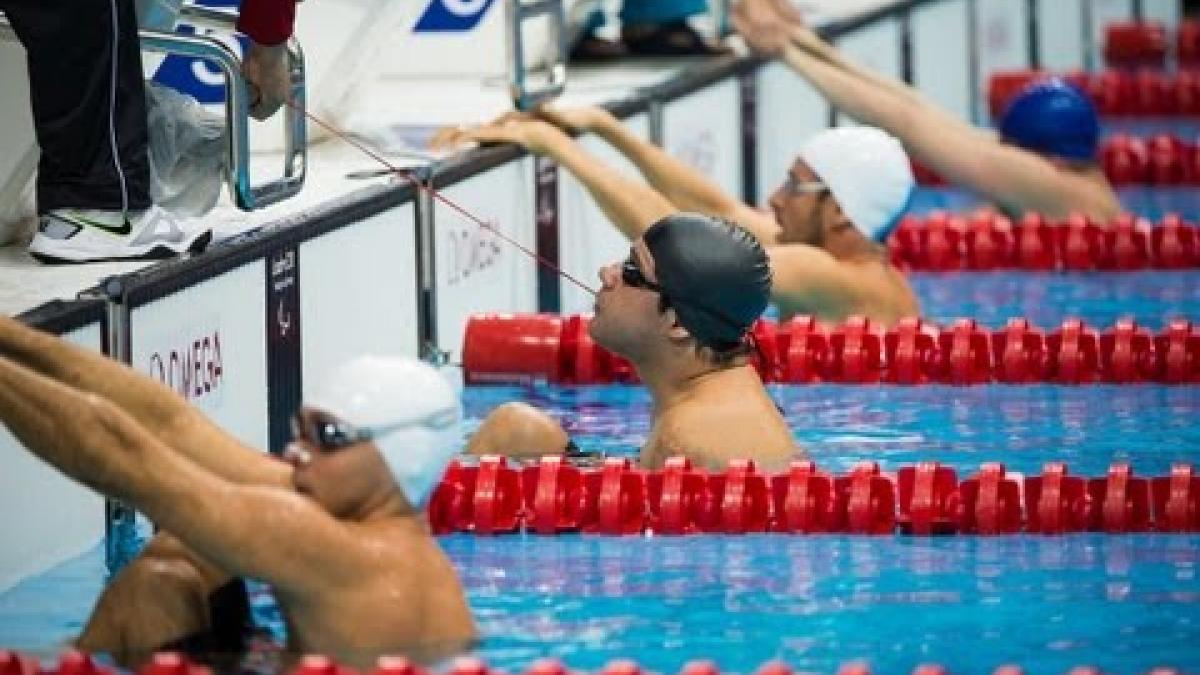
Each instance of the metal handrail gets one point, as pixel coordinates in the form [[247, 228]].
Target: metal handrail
[[517, 13]]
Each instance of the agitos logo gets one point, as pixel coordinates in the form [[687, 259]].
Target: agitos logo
[[445, 16], [193, 371]]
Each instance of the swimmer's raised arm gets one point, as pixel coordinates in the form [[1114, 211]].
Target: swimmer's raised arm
[[158, 409], [1016, 179], [685, 187], [275, 535], [632, 206]]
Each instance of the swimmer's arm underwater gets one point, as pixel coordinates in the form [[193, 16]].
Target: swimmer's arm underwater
[[266, 533], [685, 187], [1011, 177], [158, 409], [160, 596]]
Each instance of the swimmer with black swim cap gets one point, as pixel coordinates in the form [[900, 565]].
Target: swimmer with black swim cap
[[338, 531], [714, 275], [680, 308], [1044, 160]]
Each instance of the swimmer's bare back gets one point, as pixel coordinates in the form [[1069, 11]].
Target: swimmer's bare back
[[727, 416]]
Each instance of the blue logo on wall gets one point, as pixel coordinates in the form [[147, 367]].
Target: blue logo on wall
[[452, 16], [198, 77]]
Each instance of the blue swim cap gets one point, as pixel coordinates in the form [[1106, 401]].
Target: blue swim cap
[[1051, 117]]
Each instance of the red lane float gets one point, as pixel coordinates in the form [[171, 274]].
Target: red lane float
[[1115, 92], [914, 352], [553, 496], [989, 241], [1137, 43]]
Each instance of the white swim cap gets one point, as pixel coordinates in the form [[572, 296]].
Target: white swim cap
[[868, 173], [412, 409]]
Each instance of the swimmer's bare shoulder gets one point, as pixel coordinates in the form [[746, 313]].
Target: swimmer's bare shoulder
[[407, 600], [710, 435]]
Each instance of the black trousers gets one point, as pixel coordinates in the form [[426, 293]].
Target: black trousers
[[79, 121]]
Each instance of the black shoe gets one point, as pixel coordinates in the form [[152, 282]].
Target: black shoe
[[676, 38], [591, 49]]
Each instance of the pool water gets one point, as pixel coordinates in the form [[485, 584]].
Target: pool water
[[1123, 603], [1152, 298], [1088, 427], [1146, 201]]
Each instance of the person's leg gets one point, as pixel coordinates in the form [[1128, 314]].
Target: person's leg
[[660, 28], [586, 18], [89, 109], [660, 11], [89, 106]]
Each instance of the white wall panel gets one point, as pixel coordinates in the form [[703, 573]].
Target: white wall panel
[[704, 130], [1165, 11], [586, 237], [208, 342], [358, 292], [1001, 43], [1060, 34], [48, 518], [876, 47], [476, 270], [941, 65], [789, 110]]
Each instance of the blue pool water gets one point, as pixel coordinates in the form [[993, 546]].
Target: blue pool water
[[1149, 202], [1124, 603], [1153, 298]]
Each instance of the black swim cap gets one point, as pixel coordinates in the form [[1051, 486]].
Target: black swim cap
[[715, 274]]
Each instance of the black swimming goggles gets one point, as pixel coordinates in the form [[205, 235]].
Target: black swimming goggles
[[632, 275], [329, 434]]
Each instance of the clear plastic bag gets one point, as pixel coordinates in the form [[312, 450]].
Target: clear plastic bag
[[187, 152]]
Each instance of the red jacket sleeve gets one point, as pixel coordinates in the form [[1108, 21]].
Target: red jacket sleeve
[[267, 22]]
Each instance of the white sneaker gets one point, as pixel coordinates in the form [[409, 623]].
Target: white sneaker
[[77, 235]]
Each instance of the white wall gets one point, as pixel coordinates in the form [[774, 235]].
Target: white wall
[[358, 292], [208, 342], [1001, 43], [704, 130], [789, 110], [586, 237], [941, 69], [877, 48], [476, 270], [48, 518], [1060, 34]]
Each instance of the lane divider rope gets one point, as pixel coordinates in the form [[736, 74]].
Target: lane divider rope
[[528, 348], [555, 495]]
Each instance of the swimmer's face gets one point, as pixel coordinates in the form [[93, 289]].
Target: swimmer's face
[[627, 307], [330, 465], [803, 207]]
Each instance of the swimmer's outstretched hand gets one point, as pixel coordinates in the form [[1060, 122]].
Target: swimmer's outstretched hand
[[765, 25], [535, 135], [587, 118]]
